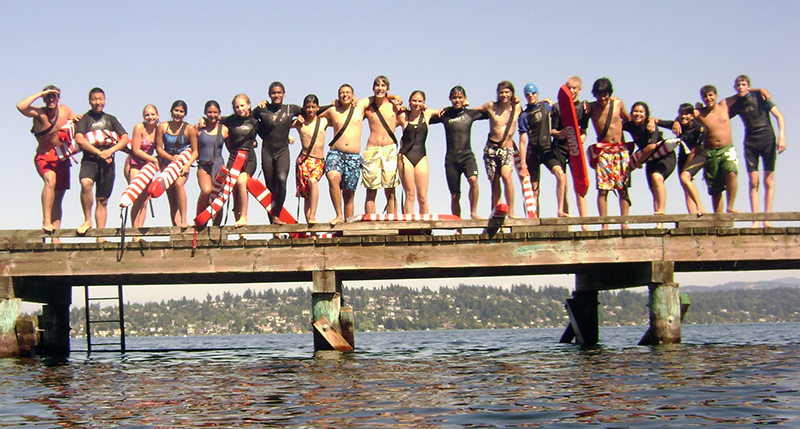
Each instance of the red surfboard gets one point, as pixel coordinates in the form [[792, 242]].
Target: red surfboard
[[577, 162], [264, 197]]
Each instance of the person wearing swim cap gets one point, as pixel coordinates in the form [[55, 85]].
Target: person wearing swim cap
[[534, 141]]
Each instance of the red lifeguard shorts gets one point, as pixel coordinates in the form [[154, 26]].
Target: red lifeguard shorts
[[61, 168]]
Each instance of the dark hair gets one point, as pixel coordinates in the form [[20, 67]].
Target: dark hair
[[278, 84], [685, 109], [95, 90], [417, 91], [381, 78], [49, 87], [743, 77], [311, 98], [179, 103], [602, 86], [706, 89], [458, 89], [346, 85], [504, 84], [210, 103], [643, 104]]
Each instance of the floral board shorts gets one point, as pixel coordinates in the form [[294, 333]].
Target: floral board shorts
[[311, 168], [346, 164], [380, 167]]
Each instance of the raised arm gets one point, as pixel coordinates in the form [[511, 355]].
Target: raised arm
[[26, 105]]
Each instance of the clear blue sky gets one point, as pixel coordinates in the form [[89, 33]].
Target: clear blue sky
[[157, 52]]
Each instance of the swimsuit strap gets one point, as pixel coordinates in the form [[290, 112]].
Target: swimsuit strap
[[50, 128], [383, 122], [344, 127], [608, 121], [313, 140], [510, 120]]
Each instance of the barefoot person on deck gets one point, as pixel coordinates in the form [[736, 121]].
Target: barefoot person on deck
[[722, 165], [310, 164], [47, 124]]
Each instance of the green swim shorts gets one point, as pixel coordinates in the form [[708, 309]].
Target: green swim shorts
[[719, 162]]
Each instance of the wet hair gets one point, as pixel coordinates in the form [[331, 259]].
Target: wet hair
[[743, 77], [685, 109], [602, 86], [150, 105], [49, 87], [311, 98], [180, 103], [95, 90], [211, 103], [417, 91], [504, 84], [643, 104], [381, 78], [278, 84], [576, 79], [706, 89], [458, 89], [238, 96], [346, 85]]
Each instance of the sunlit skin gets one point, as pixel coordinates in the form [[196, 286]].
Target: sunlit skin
[[415, 178], [142, 130], [204, 180], [176, 194], [714, 116], [693, 204], [379, 137], [242, 108], [305, 128], [657, 188], [276, 95], [459, 101]]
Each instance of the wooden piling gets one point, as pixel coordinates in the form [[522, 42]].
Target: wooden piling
[[10, 310], [347, 322], [583, 321], [27, 335], [665, 314], [326, 303], [55, 322]]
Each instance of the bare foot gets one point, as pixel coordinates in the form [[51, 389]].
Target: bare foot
[[475, 216], [55, 240], [241, 222], [562, 214], [334, 221], [767, 224], [732, 211], [585, 227], [48, 228], [84, 227], [277, 221], [312, 221], [605, 227], [185, 225], [101, 239], [512, 216], [756, 224]]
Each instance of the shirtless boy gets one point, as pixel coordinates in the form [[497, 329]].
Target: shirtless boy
[[558, 158], [459, 158], [47, 122], [381, 155], [759, 139], [722, 165], [534, 144], [310, 162], [498, 154], [613, 157], [99, 135]]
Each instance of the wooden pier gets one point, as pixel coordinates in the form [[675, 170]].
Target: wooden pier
[[36, 270]]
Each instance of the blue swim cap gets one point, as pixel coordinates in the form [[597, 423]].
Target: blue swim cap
[[530, 89]]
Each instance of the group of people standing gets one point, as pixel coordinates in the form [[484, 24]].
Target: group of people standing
[[703, 138]]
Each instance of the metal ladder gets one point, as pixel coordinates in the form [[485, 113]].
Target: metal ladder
[[120, 320]]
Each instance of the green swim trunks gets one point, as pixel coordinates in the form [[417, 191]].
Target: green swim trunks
[[718, 163]]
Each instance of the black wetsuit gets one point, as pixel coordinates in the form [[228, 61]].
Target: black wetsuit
[[414, 136], [275, 121], [759, 137], [559, 152], [535, 122], [641, 137], [242, 136], [692, 135], [92, 166], [459, 158]]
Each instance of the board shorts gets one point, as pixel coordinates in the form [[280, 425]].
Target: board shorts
[[720, 162], [380, 167], [557, 155], [348, 165], [61, 168], [101, 172], [495, 158], [311, 168], [612, 163], [695, 165], [455, 166], [663, 166], [765, 148]]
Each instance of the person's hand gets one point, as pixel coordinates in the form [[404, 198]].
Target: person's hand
[[781, 145], [50, 91], [262, 104], [291, 139], [201, 124], [698, 105], [677, 129], [651, 125], [523, 170]]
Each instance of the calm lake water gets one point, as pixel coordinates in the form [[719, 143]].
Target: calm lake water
[[721, 376]]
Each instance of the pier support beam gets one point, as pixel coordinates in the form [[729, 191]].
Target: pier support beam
[[583, 325], [665, 315], [10, 310], [333, 323]]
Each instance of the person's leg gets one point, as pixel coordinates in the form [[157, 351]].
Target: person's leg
[[659, 192], [508, 187], [455, 204], [282, 166], [730, 191], [717, 202], [369, 201], [690, 192], [48, 200], [87, 200], [56, 212], [406, 170], [206, 183], [180, 194], [561, 192], [769, 192], [391, 200], [349, 199], [334, 186], [753, 176], [268, 169], [311, 200], [174, 204], [421, 176], [624, 204], [602, 204], [241, 197]]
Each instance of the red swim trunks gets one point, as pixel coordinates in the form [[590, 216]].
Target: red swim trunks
[[60, 168]]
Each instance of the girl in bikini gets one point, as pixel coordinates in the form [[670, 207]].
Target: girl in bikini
[[209, 161], [172, 138], [142, 149]]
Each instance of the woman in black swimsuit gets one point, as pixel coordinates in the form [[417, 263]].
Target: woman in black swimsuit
[[413, 157], [242, 129]]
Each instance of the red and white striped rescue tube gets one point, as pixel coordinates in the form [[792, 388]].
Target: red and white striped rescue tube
[[232, 176], [102, 137], [527, 189], [138, 184], [407, 217], [168, 176], [68, 148]]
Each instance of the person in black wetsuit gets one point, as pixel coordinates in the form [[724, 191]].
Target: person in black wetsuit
[[414, 171], [558, 157], [534, 142], [657, 170], [691, 155], [759, 138], [242, 128], [459, 158], [275, 121]]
